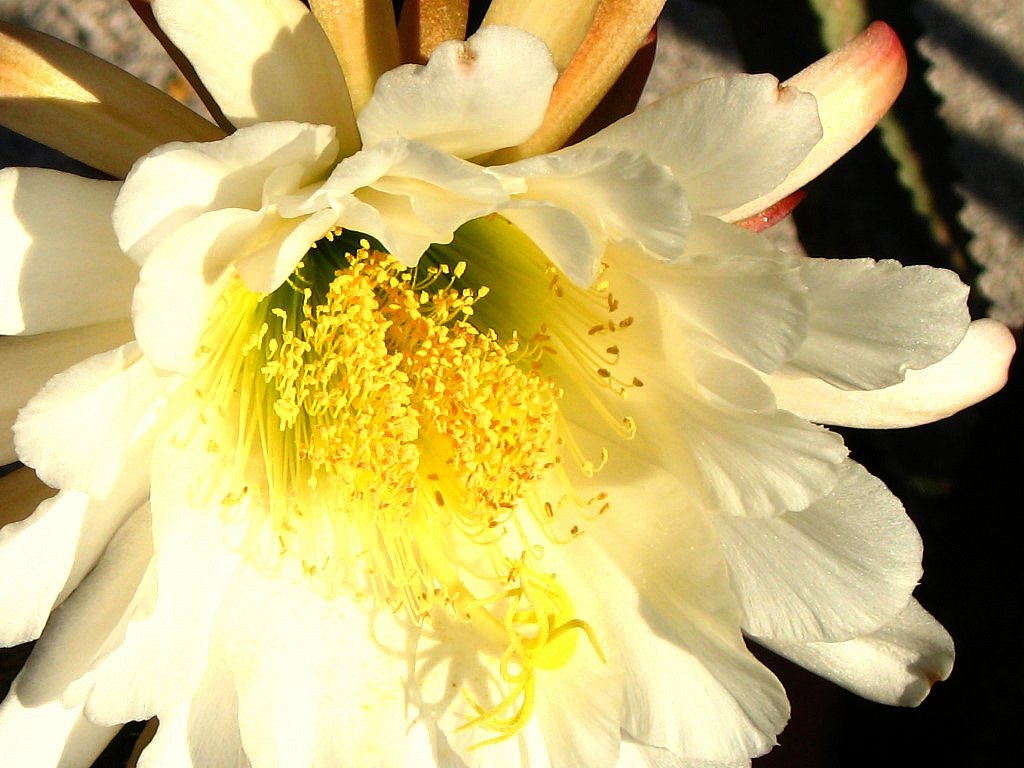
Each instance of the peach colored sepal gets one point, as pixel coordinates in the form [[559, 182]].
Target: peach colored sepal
[[84, 107], [562, 26], [854, 85], [364, 36], [425, 24], [20, 493], [619, 29]]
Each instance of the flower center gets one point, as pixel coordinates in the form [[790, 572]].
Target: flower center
[[388, 432]]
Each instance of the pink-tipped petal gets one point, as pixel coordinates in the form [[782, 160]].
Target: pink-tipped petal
[[855, 85]]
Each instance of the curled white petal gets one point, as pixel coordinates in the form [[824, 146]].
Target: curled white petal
[[840, 568], [79, 431], [871, 321], [562, 235], [472, 97], [178, 182], [619, 193], [59, 544], [976, 369], [691, 685], [86, 625], [38, 358], [49, 734], [702, 292], [896, 664]]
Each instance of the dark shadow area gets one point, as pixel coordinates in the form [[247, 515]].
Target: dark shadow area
[[699, 27], [16, 149], [997, 178]]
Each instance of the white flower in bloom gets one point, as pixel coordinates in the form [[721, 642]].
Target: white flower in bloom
[[387, 440]]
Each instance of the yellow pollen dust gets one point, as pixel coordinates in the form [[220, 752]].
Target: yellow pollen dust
[[385, 443]]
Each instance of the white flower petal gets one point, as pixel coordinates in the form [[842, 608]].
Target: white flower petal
[[472, 97], [727, 140], [563, 237], [30, 361], [53, 278], [319, 681], [754, 463], [177, 182], [853, 87], [525, 748], [180, 282], [44, 545], [633, 755], [451, 659], [697, 693], [59, 544], [405, 194], [722, 436], [172, 622], [896, 664], [262, 60], [202, 731], [578, 715], [974, 370], [49, 735], [423, 196], [579, 705], [278, 245], [79, 430], [703, 292], [83, 625], [871, 321], [843, 567], [691, 684], [707, 420], [620, 193]]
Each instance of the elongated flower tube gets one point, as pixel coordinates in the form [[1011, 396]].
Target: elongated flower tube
[[384, 430]]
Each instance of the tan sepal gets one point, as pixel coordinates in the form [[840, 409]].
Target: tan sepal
[[425, 24], [86, 108], [854, 85], [562, 26], [364, 36], [619, 30], [20, 493]]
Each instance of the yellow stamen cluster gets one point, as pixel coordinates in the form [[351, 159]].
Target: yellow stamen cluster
[[572, 332], [391, 423]]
